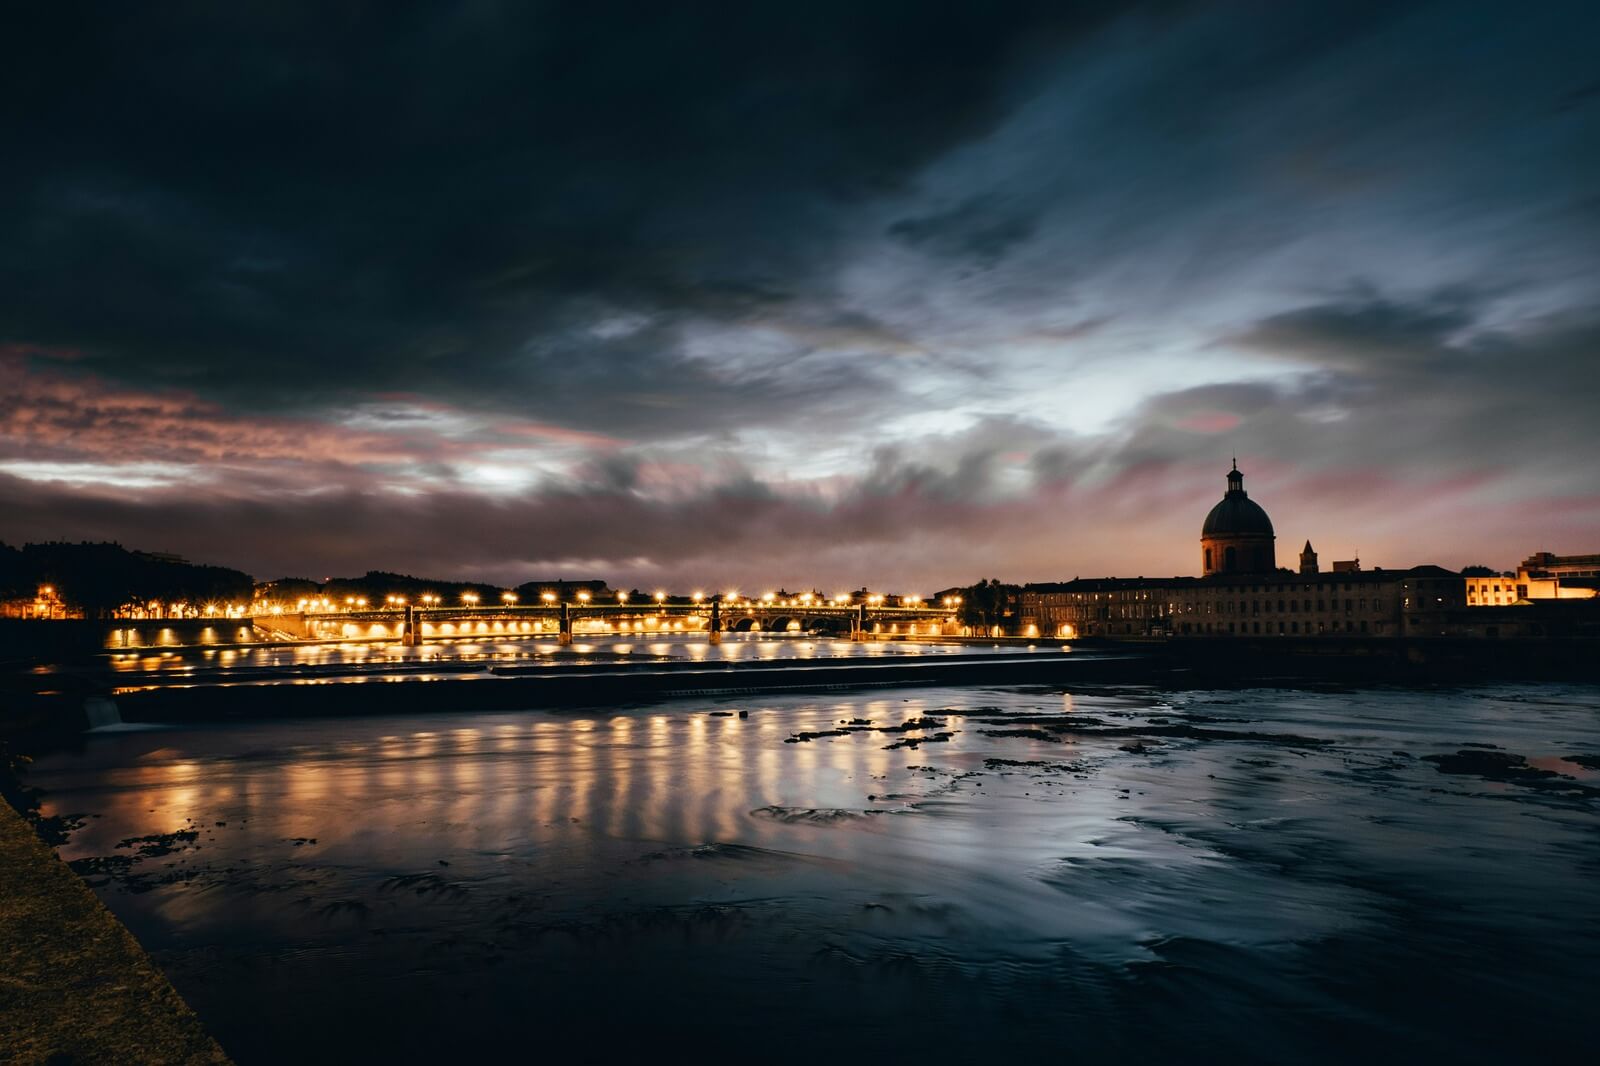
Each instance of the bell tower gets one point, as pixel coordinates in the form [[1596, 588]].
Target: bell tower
[[1308, 559]]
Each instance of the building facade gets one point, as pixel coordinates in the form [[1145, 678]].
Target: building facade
[[1243, 593]]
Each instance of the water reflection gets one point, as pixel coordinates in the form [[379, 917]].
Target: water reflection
[[1058, 863]]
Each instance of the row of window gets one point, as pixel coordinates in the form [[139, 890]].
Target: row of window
[[1252, 607], [1284, 628]]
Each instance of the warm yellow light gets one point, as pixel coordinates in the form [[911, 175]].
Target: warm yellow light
[[508, 597], [361, 601], [622, 597], [661, 597], [583, 597], [548, 597]]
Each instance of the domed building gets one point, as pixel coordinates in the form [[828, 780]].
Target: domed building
[[1244, 594], [1237, 537]]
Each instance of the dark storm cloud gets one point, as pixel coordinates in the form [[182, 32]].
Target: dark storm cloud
[[831, 286], [1437, 380], [978, 228], [288, 206]]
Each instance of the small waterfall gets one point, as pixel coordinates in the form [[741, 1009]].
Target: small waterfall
[[101, 712]]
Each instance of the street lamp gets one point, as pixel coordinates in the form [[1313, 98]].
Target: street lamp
[[508, 597], [548, 597], [661, 597], [698, 596], [622, 597], [469, 598], [583, 597]]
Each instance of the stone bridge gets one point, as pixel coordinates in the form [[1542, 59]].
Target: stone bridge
[[420, 623]]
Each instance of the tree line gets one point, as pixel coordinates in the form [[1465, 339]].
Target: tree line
[[99, 578]]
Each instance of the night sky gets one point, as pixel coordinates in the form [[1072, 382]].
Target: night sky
[[807, 294]]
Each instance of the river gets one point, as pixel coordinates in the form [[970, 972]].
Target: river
[[1170, 876]]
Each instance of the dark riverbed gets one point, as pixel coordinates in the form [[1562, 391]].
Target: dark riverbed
[[1259, 875]]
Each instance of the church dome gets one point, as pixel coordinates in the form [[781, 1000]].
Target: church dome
[[1236, 513]]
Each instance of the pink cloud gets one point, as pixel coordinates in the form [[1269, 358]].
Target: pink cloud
[[1208, 422]]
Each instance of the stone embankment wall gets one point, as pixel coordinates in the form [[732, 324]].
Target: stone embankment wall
[[74, 984]]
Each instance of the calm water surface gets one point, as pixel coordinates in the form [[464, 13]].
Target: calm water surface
[[1258, 875]]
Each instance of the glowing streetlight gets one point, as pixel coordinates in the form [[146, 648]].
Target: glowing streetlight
[[548, 597], [661, 597], [768, 597], [361, 601], [469, 598], [622, 597], [508, 597], [583, 597]]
